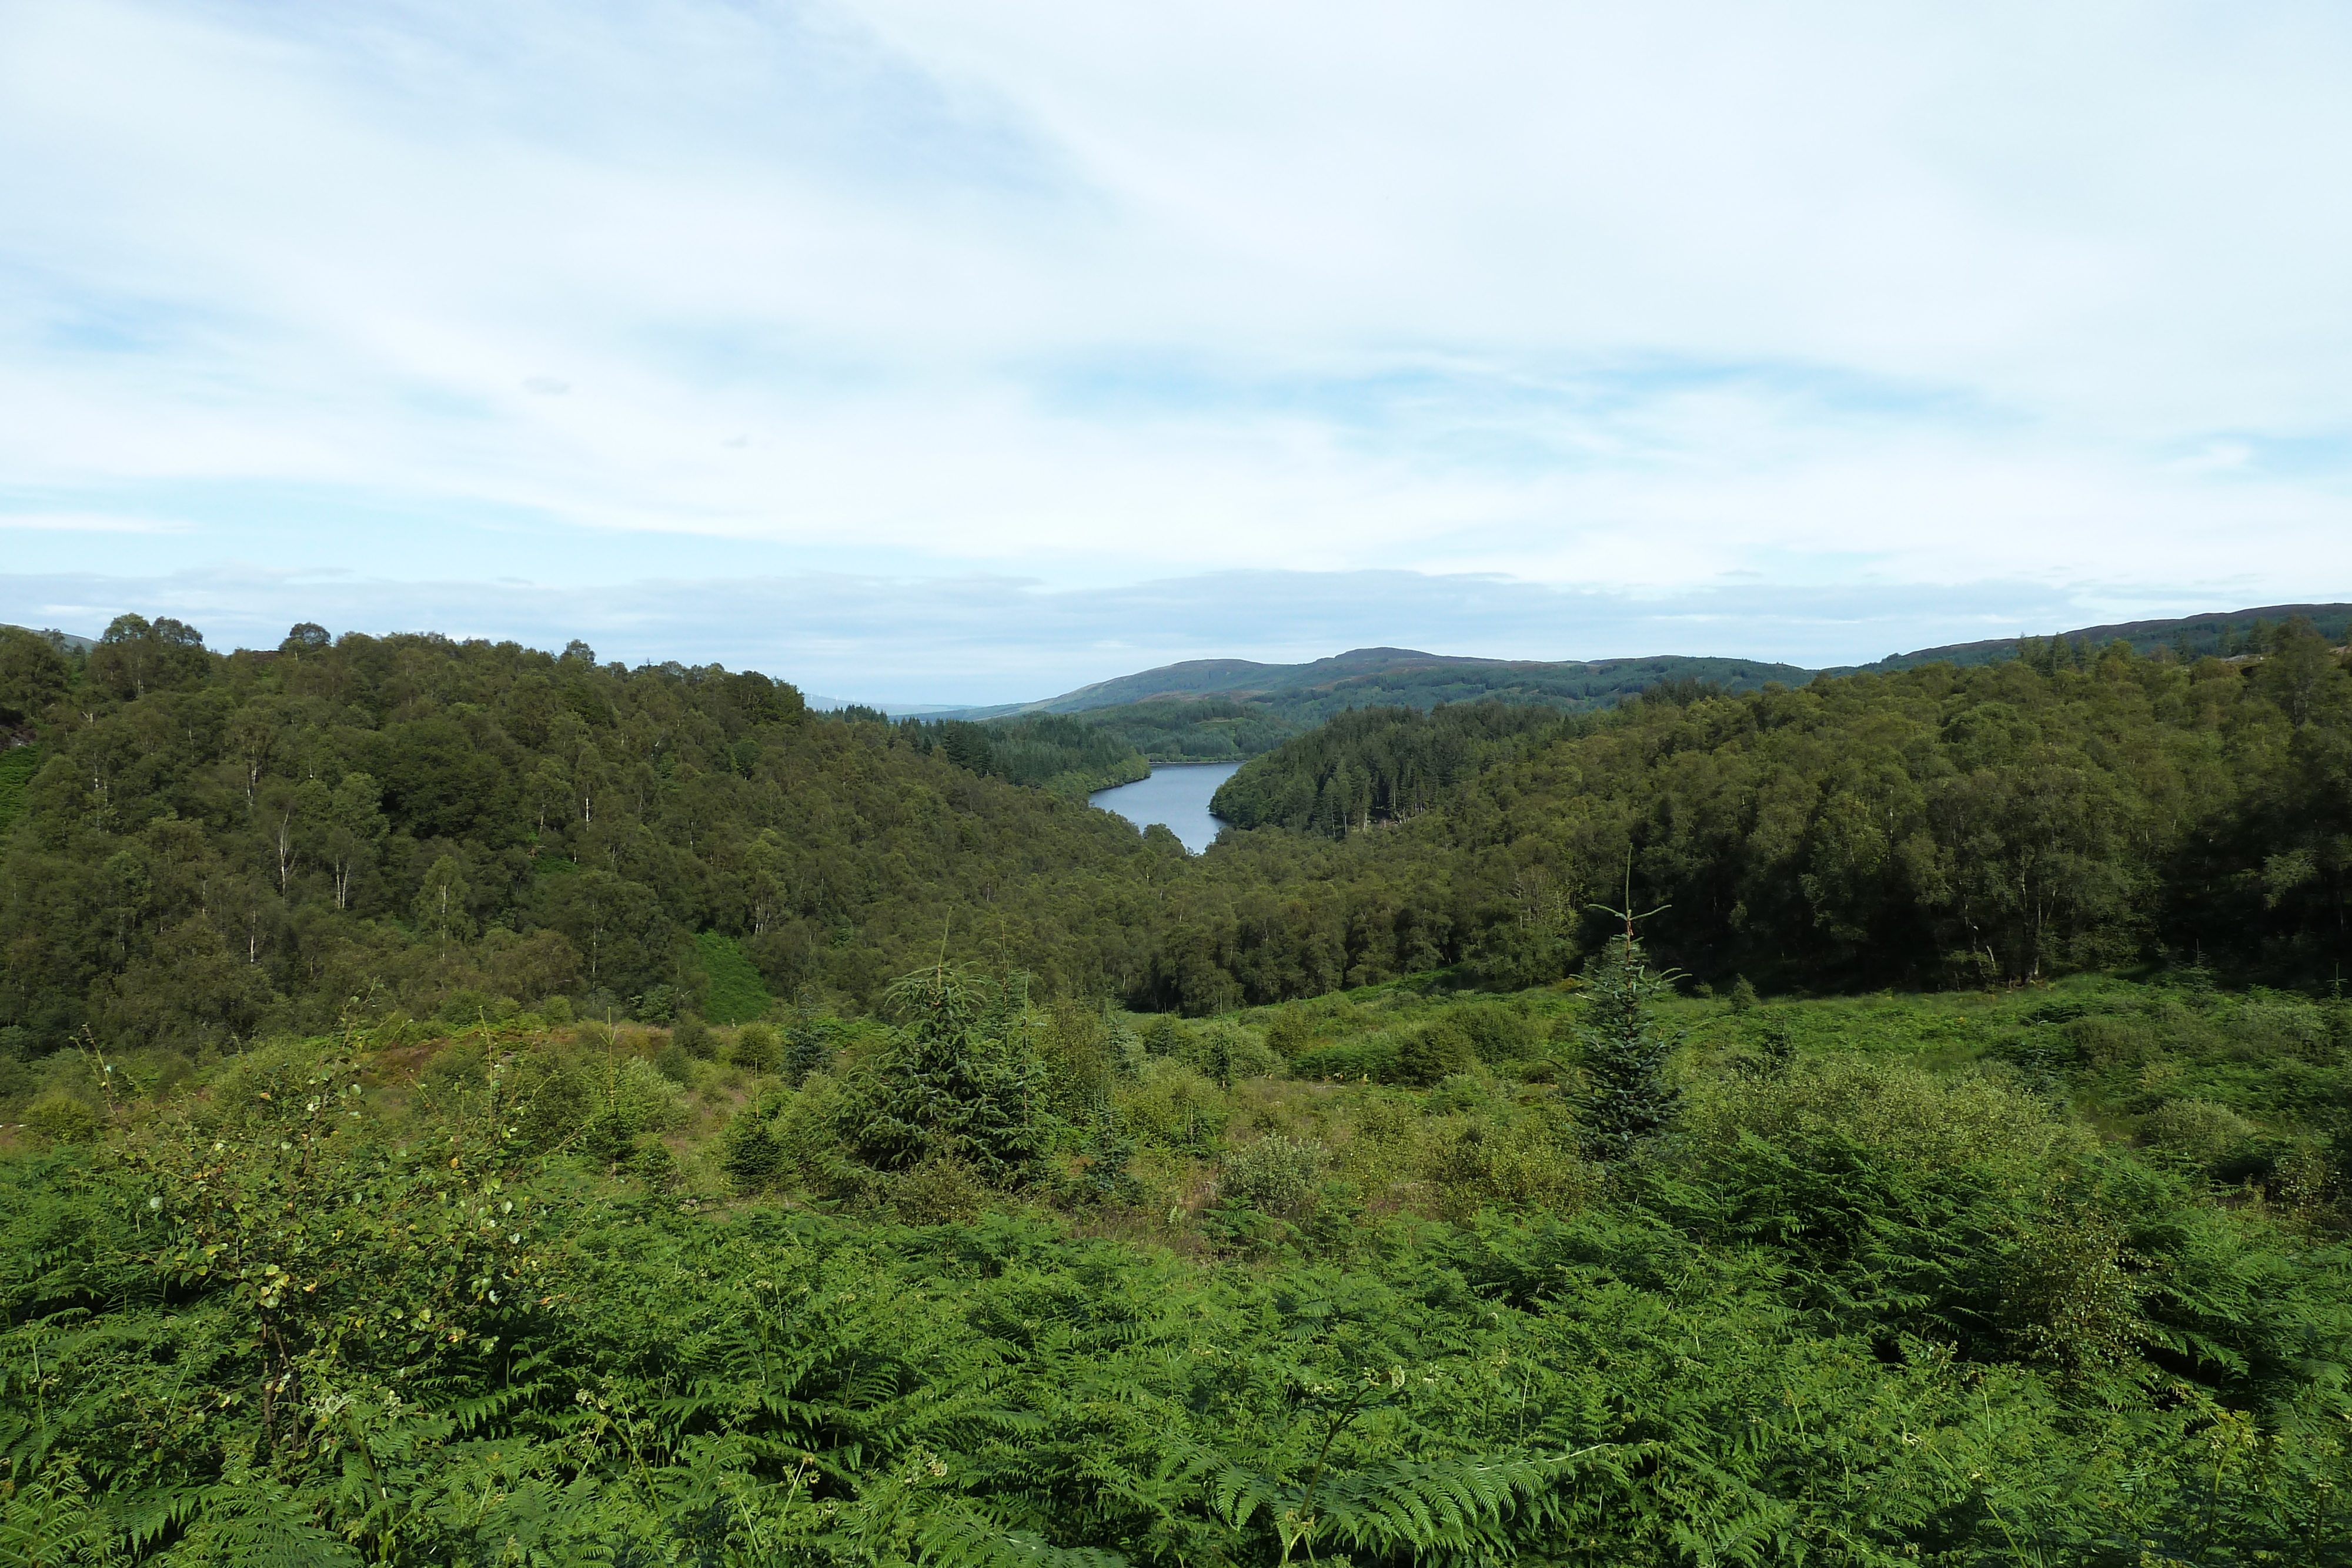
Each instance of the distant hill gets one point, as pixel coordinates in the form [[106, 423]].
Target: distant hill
[[2203, 633], [65, 639], [1368, 677]]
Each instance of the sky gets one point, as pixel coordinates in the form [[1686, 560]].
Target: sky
[[914, 350]]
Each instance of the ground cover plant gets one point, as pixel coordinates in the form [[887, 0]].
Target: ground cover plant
[[982, 1275]]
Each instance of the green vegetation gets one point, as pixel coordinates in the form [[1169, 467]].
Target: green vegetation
[[1203, 729], [2044, 1277], [736, 993], [2239, 634], [16, 770], [1400, 678], [1377, 765], [467, 1105], [215, 848], [1057, 755], [2000, 825]]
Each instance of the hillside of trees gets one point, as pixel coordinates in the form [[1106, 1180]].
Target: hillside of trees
[[1371, 678], [206, 846], [1195, 729], [1044, 751], [2222, 636], [1377, 765]]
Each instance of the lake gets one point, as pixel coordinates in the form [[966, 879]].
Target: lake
[[1178, 796]]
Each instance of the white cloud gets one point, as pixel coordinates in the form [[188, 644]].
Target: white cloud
[[1584, 295]]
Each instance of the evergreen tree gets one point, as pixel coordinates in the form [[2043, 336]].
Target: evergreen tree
[[961, 1079], [1626, 1045]]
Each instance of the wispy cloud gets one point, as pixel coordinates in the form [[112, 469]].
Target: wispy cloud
[[1628, 299], [989, 639], [91, 523]]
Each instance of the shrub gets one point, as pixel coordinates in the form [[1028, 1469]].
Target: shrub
[[1171, 1105], [1434, 1051], [1523, 1162], [757, 1049], [2198, 1131], [940, 1190], [693, 1036], [1273, 1174], [2067, 1302], [1374, 1057], [1226, 1052], [1498, 1032], [62, 1119], [2103, 1039], [1288, 1031]]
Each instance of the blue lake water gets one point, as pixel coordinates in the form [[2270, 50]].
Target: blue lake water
[[1176, 796]]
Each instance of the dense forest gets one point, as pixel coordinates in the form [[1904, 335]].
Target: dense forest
[[1046, 751], [1198, 729], [201, 847], [2188, 638], [1402, 677], [466, 1104], [1376, 765]]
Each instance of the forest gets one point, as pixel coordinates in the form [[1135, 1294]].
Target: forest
[[473, 1105]]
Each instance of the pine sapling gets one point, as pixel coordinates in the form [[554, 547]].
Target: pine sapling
[[1627, 1046]]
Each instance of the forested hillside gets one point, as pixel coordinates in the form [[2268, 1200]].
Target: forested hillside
[[1371, 678], [1932, 827], [2223, 636], [1060, 756], [214, 845], [1196, 730], [1377, 765]]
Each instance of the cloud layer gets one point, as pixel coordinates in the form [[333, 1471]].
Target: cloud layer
[[1700, 304], [980, 639]]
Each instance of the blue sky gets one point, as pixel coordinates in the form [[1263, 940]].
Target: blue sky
[[932, 351]]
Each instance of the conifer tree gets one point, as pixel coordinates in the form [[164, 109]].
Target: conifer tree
[[1626, 1045]]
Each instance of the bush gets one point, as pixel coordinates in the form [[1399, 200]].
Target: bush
[[1524, 1162], [693, 1036], [2197, 1131], [1173, 1107], [757, 1049], [1226, 1052], [1497, 1033], [1274, 1173], [941, 1190], [62, 1119], [1434, 1051], [1375, 1058]]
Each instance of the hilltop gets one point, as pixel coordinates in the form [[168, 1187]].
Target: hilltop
[[2215, 631], [1366, 677]]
